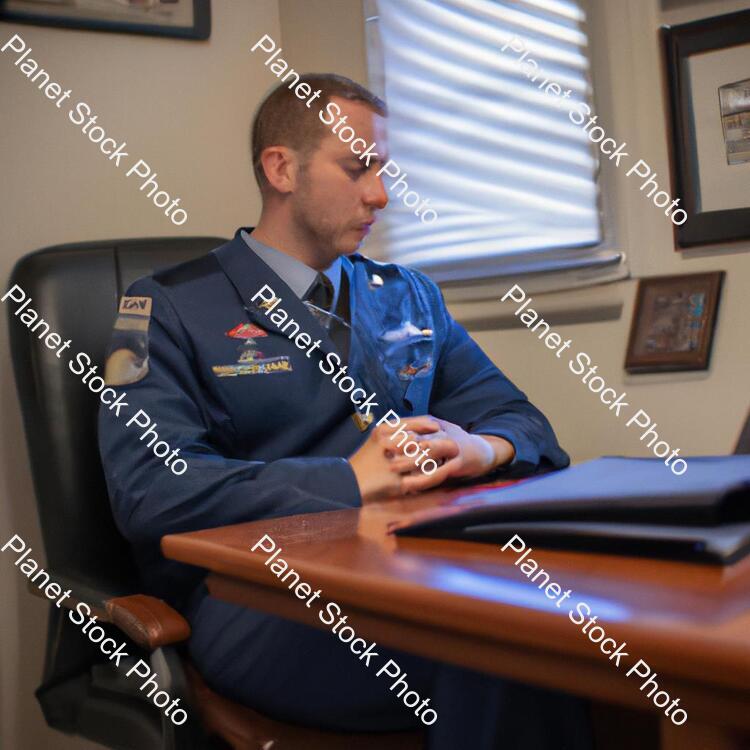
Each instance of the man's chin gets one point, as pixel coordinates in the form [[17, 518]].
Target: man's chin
[[350, 241], [349, 246]]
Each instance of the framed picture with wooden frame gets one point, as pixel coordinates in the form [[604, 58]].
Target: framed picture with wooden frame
[[708, 86], [673, 323]]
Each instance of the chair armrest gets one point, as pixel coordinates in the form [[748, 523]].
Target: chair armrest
[[148, 621]]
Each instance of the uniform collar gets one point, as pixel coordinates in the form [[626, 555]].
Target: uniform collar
[[294, 273], [248, 273]]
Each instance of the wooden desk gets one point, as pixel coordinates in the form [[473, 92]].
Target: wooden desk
[[468, 604]]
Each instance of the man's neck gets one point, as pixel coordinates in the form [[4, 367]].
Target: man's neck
[[286, 239]]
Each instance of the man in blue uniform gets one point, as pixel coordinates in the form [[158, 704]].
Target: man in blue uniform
[[285, 373]]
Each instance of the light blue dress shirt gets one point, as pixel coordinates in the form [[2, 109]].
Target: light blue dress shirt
[[294, 273]]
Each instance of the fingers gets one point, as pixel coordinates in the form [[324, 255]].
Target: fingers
[[422, 425], [440, 450], [436, 445], [418, 481], [397, 444], [429, 436]]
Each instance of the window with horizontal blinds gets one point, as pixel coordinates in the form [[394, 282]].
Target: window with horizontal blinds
[[512, 178]]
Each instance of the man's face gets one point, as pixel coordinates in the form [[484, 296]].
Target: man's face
[[337, 195]]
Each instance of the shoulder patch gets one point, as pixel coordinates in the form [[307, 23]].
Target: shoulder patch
[[127, 356], [135, 306]]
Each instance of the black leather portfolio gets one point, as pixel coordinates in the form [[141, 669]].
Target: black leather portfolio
[[617, 505]]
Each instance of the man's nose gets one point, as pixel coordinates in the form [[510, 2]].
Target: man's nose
[[376, 194]]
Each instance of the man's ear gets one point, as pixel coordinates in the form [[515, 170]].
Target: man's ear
[[280, 165]]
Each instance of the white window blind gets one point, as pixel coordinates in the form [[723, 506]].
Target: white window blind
[[512, 177]]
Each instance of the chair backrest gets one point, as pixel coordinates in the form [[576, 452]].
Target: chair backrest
[[75, 288]]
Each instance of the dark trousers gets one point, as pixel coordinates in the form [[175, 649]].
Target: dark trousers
[[301, 675]]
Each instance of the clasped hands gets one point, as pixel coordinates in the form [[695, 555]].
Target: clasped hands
[[383, 470]]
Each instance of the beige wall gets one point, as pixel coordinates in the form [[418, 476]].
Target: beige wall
[[185, 108], [325, 36]]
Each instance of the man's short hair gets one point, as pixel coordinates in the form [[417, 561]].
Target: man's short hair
[[283, 119]]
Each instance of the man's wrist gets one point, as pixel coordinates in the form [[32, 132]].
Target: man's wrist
[[503, 451]]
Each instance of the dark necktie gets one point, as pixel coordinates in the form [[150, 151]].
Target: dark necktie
[[321, 292], [321, 295]]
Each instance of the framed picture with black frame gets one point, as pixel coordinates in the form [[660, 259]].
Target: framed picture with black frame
[[187, 19], [708, 82]]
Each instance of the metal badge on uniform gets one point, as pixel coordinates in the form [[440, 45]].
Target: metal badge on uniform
[[268, 304], [415, 370], [363, 421], [250, 354], [406, 333], [246, 331], [375, 281], [251, 361], [127, 355]]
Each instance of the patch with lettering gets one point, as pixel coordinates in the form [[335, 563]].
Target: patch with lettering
[[135, 306], [267, 366], [246, 331]]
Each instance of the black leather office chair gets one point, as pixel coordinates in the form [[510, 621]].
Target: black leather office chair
[[76, 289]]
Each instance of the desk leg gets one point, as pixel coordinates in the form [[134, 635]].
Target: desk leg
[[695, 736]]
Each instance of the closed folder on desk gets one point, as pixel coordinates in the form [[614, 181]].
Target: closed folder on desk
[[618, 505]]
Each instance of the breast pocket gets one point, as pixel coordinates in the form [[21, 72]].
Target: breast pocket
[[409, 353]]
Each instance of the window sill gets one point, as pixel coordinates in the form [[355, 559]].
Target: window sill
[[591, 304]]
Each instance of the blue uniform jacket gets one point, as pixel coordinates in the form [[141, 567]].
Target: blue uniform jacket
[[273, 439]]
